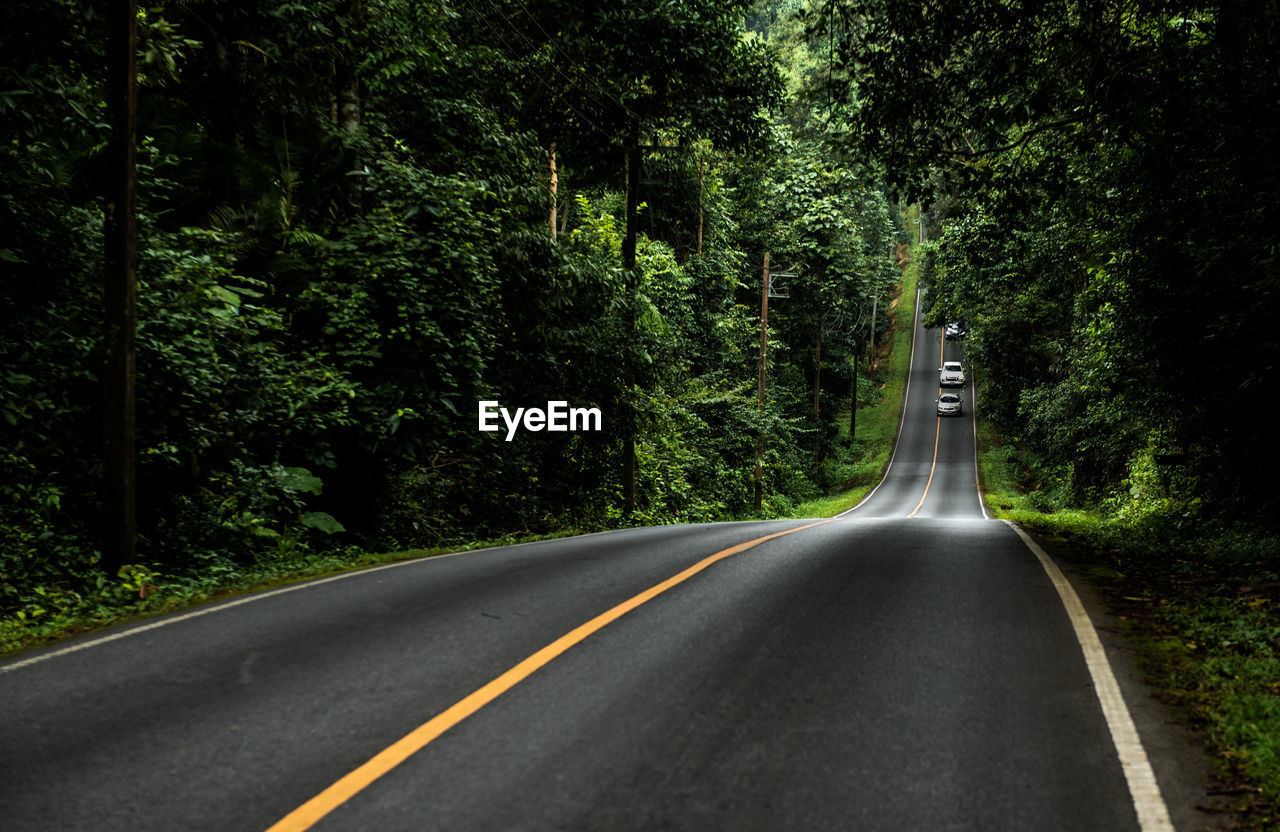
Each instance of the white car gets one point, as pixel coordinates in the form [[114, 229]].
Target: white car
[[951, 375], [949, 405]]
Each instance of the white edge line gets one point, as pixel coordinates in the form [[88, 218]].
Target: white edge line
[[216, 607], [902, 418], [258, 596], [977, 468], [1153, 814]]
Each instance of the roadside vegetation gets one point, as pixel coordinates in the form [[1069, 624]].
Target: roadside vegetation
[[1102, 188], [357, 220], [857, 465], [1201, 606]]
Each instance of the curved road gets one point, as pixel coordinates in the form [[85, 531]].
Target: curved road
[[907, 666]]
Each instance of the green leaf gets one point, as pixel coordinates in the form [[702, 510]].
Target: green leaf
[[227, 296], [300, 479], [323, 522]]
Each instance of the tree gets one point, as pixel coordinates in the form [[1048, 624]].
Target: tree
[[1111, 165]]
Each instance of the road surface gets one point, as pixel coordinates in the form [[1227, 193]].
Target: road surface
[[907, 666]]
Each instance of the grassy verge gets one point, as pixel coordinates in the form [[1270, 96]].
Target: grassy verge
[[1202, 607], [60, 612], [861, 461]]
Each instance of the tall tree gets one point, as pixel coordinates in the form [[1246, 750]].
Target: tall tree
[[120, 289]]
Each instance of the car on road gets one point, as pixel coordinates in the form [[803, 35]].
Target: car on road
[[949, 405], [954, 330], [951, 374]]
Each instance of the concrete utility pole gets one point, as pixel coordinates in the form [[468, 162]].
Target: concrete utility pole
[[871, 350], [764, 346], [119, 483], [853, 405]]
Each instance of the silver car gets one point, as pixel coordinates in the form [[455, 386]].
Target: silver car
[[951, 375], [949, 405]]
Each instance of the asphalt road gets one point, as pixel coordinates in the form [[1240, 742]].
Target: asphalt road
[[908, 666]]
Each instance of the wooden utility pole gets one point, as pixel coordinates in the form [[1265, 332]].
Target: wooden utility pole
[[764, 346], [554, 182], [119, 483], [629, 262]]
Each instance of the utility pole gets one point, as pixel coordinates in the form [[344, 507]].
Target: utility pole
[[871, 350], [764, 346], [629, 262], [853, 405], [119, 483]]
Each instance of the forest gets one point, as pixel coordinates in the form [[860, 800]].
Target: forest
[[1104, 181], [358, 218]]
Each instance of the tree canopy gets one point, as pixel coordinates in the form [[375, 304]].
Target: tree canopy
[[348, 238], [1104, 177]]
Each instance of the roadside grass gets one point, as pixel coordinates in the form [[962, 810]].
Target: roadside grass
[[60, 612], [860, 462], [1202, 607], [57, 612]]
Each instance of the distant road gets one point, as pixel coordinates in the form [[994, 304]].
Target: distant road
[[907, 666]]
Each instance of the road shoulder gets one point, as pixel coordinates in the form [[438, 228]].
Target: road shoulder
[[1191, 785]]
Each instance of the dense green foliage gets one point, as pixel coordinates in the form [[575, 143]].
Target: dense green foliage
[[345, 243], [859, 463], [1199, 607], [1104, 182]]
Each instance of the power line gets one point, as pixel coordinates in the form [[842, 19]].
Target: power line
[[568, 60], [514, 54], [533, 45]]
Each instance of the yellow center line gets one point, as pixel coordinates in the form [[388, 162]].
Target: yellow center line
[[936, 434], [942, 359], [311, 812]]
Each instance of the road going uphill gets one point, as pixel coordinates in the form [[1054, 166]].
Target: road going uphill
[[909, 665]]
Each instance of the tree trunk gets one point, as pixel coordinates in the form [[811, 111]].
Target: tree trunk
[[119, 487], [764, 346], [817, 371], [348, 99], [348, 83], [702, 169], [554, 182], [629, 263], [817, 387]]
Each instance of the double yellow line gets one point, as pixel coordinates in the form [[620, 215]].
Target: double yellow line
[[311, 812]]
